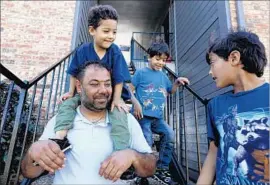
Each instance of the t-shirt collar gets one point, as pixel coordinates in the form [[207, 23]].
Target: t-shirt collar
[[80, 117]]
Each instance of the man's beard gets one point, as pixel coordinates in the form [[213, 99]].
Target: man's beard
[[91, 105]]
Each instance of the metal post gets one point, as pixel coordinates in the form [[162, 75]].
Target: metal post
[[9, 160], [197, 136]]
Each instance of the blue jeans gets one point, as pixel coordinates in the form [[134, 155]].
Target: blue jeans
[[159, 126]]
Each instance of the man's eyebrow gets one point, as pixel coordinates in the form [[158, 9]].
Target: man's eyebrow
[[95, 80]]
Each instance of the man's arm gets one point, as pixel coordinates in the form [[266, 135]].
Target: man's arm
[[144, 164], [208, 171], [115, 165], [48, 156], [28, 169]]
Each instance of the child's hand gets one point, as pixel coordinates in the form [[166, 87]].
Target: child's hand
[[120, 104], [65, 97], [138, 111], [181, 81]]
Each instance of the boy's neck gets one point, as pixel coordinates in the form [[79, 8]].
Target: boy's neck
[[247, 82], [100, 51]]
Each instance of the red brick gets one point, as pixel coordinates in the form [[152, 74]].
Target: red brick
[[39, 31]]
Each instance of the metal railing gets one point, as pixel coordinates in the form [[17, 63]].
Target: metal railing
[[40, 97], [184, 107]]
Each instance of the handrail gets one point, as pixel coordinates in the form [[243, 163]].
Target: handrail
[[139, 44], [158, 33], [7, 73], [203, 101], [33, 81], [32, 118]]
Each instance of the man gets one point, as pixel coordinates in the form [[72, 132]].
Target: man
[[90, 161]]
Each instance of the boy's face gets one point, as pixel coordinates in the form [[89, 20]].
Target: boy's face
[[105, 34], [157, 62], [221, 71]]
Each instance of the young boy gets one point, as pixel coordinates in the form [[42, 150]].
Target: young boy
[[102, 22], [151, 87], [238, 121]]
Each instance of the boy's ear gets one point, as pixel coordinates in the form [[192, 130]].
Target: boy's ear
[[234, 58], [91, 30], [78, 86]]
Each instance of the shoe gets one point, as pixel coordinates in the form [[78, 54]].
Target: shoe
[[164, 177], [141, 181], [129, 175]]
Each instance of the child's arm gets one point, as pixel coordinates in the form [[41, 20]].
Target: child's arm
[[208, 171], [71, 91], [178, 82], [137, 106], [117, 101]]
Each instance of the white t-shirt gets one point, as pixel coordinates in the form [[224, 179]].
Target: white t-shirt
[[91, 145]]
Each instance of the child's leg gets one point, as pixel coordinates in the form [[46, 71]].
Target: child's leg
[[120, 131], [166, 143], [145, 124], [66, 115]]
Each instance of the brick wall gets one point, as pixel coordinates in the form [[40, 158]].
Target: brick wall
[[257, 20], [35, 34]]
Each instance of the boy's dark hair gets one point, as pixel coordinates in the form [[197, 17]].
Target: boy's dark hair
[[249, 46], [158, 49], [101, 12], [86, 65]]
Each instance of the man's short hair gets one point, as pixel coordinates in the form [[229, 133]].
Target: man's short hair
[[158, 49], [101, 12], [249, 46], [88, 64]]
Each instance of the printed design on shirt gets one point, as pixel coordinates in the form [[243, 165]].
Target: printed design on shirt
[[147, 102], [163, 91], [157, 95], [150, 89], [162, 106], [244, 144]]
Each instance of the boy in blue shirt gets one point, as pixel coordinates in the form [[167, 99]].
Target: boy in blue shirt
[[152, 86], [238, 121], [102, 22]]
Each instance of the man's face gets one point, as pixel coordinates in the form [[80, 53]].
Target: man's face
[[95, 88]]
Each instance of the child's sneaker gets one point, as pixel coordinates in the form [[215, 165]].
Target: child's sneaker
[[164, 177]]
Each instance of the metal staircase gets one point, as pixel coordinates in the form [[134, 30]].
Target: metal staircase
[[36, 103]]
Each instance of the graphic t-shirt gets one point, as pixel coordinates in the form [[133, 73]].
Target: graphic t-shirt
[[113, 58], [152, 88], [239, 125]]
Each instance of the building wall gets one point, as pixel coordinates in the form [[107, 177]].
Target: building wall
[[35, 35], [194, 24], [256, 19], [80, 28]]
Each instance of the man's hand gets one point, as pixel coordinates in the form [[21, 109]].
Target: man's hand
[[120, 104], [138, 111], [47, 154], [116, 164], [181, 81], [65, 97]]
